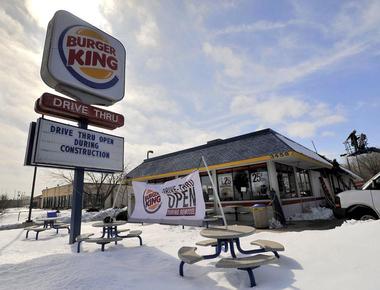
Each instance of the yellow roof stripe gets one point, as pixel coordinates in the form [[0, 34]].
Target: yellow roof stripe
[[309, 159]]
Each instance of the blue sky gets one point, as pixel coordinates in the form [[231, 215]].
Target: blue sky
[[200, 70]]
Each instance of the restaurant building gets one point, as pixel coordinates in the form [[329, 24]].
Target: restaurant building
[[245, 168]]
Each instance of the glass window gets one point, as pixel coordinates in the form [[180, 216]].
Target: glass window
[[286, 181], [226, 190], [376, 184], [259, 183], [242, 189], [208, 193], [303, 182]]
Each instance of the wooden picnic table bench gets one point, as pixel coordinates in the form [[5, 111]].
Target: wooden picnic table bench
[[36, 229], [269, 246], [246, 264], [189, 256], [131, 234], [59, 226], [100, 241]]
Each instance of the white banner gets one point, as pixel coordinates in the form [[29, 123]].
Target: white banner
[[178, 201], [58, 144]]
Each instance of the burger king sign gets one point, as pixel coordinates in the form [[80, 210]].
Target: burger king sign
[[82, 61]]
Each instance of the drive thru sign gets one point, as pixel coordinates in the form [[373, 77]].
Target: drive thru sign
[[87, 64]]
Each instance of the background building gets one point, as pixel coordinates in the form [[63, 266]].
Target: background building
[[94, 195]]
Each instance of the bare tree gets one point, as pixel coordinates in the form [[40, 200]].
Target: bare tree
[[98, 188], [365, 165], [4, 202], [66, 176], [104, 184]]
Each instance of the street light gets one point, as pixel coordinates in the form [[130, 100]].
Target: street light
[[147, 153]]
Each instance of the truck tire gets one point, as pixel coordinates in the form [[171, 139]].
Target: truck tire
[[362, 213]]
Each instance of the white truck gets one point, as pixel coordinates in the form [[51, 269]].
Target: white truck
[[361, 204]]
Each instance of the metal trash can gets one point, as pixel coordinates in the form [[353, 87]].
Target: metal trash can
[[260, 216]]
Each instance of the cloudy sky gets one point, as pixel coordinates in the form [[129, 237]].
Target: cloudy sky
[[200, 70]]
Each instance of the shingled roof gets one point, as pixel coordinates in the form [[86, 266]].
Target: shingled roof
[[260, 143]]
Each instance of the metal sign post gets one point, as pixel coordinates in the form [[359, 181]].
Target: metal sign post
[[32, 195], [77, 198], [216, 196]]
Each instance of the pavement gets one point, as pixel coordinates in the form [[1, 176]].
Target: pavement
[[299, 226]]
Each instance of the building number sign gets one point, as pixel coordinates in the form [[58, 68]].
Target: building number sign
[[280, 155]]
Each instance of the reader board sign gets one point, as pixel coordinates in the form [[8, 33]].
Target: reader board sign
[[65, 146], [178, 201], [82, 61]]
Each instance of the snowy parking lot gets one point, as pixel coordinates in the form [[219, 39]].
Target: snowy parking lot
[[342, 258]]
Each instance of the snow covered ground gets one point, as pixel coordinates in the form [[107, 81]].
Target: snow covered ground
[[13, 216], [346, 257]]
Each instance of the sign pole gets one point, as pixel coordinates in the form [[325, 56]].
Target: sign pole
[[31, 195], [216, 196], [77, 198]]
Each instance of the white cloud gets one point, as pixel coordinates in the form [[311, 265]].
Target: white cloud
[[148, 34], [172, 99], [258, 26], [301, 129], [224, 55], [88, 10], [357, 19], [271, 110], [153, 63], [299, 118], [328, 134]]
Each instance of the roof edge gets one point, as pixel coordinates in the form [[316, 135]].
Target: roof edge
[[222, 141]]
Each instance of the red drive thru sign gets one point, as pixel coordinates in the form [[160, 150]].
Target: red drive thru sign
[[57, 106]]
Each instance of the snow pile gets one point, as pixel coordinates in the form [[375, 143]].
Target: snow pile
[[64, 216], [314, 213], [16, 216], [274, 224], [355, 222], [99, 216]]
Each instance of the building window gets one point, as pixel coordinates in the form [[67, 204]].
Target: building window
[[208, 192], [241, 184], [225, 184], [286, 181], [259, 183], [303, 182]]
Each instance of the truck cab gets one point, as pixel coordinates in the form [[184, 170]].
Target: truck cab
[[361, 204]]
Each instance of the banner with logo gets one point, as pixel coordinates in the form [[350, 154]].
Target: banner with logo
[[178, 201]]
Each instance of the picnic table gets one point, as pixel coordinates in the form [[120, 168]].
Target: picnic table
[[109, 228], [227, 237], [48, 221]]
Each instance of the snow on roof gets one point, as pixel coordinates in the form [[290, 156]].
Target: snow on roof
[[303, 150], [351, 173]]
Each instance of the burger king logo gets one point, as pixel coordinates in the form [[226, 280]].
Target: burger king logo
[[151, 200], [88, 56]]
